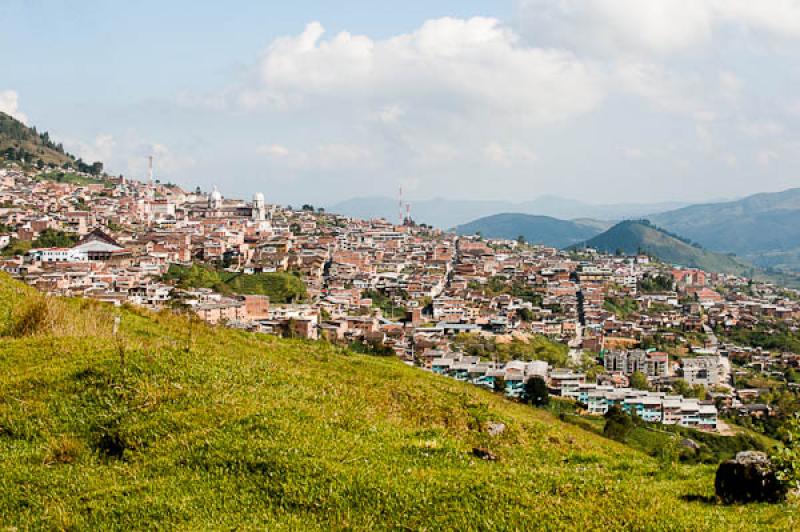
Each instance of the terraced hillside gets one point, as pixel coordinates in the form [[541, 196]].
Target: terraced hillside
[[168, 424]]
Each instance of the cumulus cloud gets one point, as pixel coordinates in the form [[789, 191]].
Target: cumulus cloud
[[9, 104], [687, 83], [474, 65]]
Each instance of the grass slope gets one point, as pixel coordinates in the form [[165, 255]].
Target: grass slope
[[19, 137], [248, 431], [71, 178], [536, 229], [281, 287]]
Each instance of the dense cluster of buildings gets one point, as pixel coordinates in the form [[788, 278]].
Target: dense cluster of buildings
[[596, 399], [401, 287]]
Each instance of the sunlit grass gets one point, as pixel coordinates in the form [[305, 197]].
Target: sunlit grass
[[241, 430]]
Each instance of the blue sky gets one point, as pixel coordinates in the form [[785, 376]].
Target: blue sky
[[600, 100]]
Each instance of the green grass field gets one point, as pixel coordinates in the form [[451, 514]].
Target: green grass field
[[70, 178], [132, 432], [281, 287]]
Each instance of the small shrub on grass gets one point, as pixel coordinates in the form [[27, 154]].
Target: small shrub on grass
[[618, 424], [41, 315], [38, 316], [112, 442], [536, 392], [64, 450], [786, 459]]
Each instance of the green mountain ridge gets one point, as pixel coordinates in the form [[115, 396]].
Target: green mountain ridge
[[638, 236], [535, 229], [763, 228], [167, 423], [28, 147], [19, 141]]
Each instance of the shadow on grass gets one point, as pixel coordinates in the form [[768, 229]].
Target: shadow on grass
[[704, 499]]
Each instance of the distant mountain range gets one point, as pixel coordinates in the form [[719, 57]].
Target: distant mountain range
[[534, 229], [763, 229], [445, 213], [630, 237]]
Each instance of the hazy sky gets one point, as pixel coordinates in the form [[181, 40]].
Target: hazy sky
[[599, 100]]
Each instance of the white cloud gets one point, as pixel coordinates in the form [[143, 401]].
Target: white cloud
[[9, 104], [779, 17], [273, 150], [470, 66], [322, 157], [341, 155], [388, 114], [99, 149], [670, 90], [509, 154], [441, 102], [730, 159], [630, 152], [128, 152], [210, 101], [731, 82], [655, 26], [766, 157], [761, 128]]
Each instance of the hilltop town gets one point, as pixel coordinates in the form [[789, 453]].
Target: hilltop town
[[670, 344]]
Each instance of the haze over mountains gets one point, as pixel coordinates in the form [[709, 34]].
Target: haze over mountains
[[446, 213], [763, 229], [631, 237], [534, 229]]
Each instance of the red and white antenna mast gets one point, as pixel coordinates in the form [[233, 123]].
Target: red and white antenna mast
[[400, 205]]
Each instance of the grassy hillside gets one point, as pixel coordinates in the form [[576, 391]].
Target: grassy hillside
[[763, 228], [280, 287], [254, 432], [634, 236], [535, 229], [70, 178], [18, 140]]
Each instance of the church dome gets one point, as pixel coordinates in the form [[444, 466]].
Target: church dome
[[258, 197], [215, 195]]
